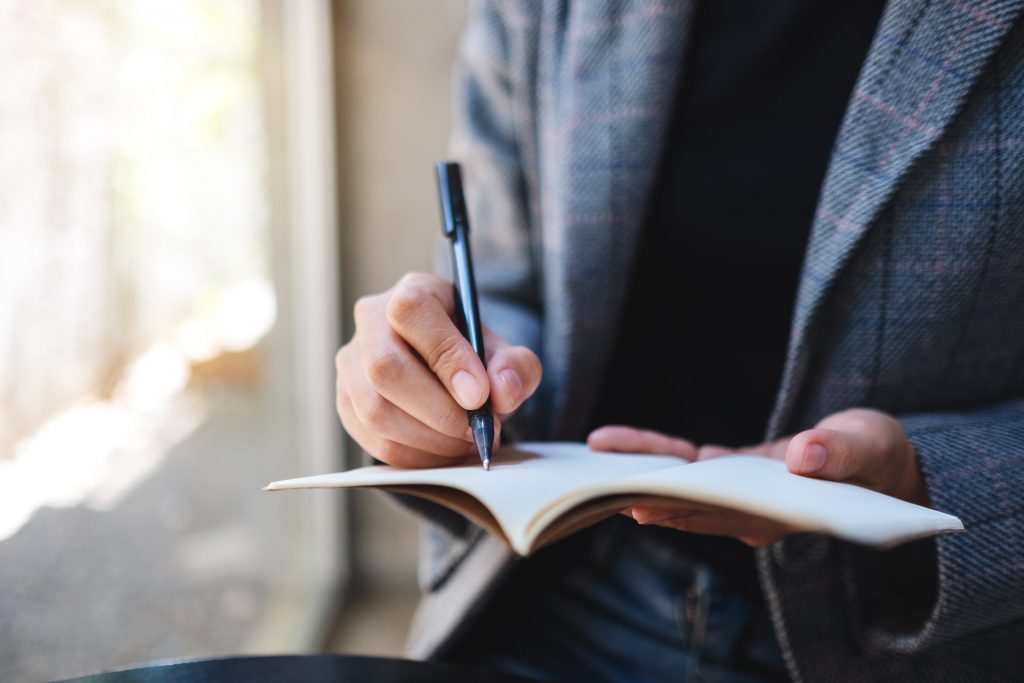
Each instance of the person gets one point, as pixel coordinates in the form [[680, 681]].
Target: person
[[792, 228]]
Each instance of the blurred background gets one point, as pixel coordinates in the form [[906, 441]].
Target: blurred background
[[192, 194]]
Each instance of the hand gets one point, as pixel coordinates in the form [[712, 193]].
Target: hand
[[407, 376], [859, 446]]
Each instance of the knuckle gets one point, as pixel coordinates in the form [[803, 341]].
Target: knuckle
[[451, 450], [447, 354], [341, 358], [341, 393], [375, 412], [363, 307], [415, 278], [406, 303], [383, 366], [451, 420], [349, 421], [389, 451]]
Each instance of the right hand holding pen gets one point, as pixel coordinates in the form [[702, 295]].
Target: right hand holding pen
[[407, 376]]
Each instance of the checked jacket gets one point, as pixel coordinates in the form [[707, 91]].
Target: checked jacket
[[911, 301]]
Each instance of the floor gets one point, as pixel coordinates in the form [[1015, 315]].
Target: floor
[[178, 567], [182, 564]]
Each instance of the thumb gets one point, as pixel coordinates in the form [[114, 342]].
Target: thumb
[[833, 454], [514, 373]]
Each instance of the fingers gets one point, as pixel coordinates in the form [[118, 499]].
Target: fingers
[[514, 374], [391, 452], [709, 451], [655, 513], [419, 310], [392, 370], [386, 431], [620, 439], [752, 530], [772, 449], [380, 416], [776, 449]]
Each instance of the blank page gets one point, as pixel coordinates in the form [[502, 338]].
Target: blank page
[[522, 481], [533, 484], [764, 486]]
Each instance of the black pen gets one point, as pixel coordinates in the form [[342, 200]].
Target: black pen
[[455, 224]]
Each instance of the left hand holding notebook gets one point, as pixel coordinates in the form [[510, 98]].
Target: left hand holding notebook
[[858, 446]]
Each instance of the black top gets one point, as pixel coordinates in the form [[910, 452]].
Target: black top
[[702, 341]]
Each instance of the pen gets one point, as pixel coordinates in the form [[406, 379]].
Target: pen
[[455, 224]]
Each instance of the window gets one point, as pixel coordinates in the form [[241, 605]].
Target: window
[[169, 313]]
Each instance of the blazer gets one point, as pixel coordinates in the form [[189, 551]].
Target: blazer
[[911, 301]]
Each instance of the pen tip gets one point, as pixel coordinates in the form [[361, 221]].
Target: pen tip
[[483, 436]]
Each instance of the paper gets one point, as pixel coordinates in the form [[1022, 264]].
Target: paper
[[536, 486]]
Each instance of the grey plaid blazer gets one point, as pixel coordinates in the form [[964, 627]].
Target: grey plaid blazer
[[911, 301]]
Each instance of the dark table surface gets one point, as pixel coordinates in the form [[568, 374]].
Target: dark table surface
[[301, 669]]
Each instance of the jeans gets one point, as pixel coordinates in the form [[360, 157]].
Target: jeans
[[617, 603]]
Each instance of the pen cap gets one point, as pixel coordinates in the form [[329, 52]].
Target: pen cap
[[453, 203]]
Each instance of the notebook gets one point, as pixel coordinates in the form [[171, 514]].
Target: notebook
[[536, 493]]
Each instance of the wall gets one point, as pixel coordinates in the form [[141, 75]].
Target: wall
[[394, 60]]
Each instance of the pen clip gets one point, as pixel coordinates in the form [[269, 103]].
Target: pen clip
[[453, 203]]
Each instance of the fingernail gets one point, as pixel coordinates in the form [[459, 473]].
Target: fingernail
[[512, 384], [466, 388], [814, 458], [651, 516]]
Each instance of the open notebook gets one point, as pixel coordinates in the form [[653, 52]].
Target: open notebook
[[537, 493]]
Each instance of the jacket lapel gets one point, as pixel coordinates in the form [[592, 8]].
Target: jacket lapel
[[616, 79], [924, 60]]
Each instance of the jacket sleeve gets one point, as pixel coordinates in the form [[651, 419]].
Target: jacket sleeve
[[936, 604], [973, 464]]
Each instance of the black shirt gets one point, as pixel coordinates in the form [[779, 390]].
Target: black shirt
[[702, 339]]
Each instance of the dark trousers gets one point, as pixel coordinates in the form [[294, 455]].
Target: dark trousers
[[619, 603]]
